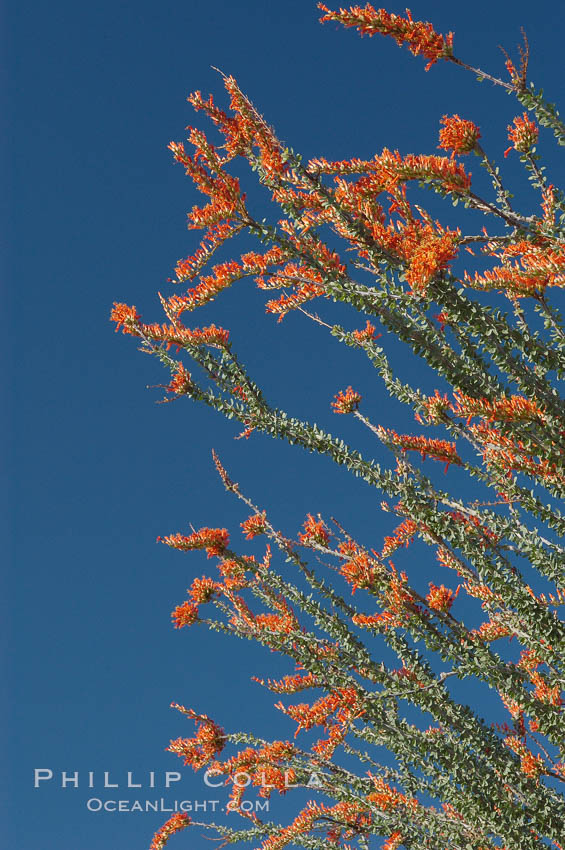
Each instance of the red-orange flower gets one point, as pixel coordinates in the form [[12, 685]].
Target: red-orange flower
[[458, 135], [203, 589], [284, 622], [346, 402], [513, 409], [287, 302], [254, 525], [441, 450], [419, 36], [124, 316], [391, 168], [531, 765], [393, 841], [427, 250], [368, 333], [180, 382], [215, 236], [359, 570], [403, 535], [435, 408], [175, 823], [544, 692], [319, 713], [491, 630], [291, 684], [387, 798], [213, 540], [314, 532], [233, 574], [209, 740], [523, 134], [441, 598], [185, 615], [301, 824]]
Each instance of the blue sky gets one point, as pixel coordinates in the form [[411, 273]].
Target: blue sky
[[96, 469]]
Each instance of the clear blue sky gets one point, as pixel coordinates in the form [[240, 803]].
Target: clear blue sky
[[96, 469]]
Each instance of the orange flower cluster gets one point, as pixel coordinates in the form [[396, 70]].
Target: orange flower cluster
[[398, 605], [254, 525], [129, 320], [223, 276], [393, 841], [491, 630], [531, 765], [544, 692], [253, 130], [233, 571], [513, 409], [447, 559], [262, 766], [310, 204], [344, 701], [480, 591], [206, 171], [528, 660], [302, 824], [386, 798], [185, 615], [441, 450], [303, 293], [367, 334], [326, 747], [502, 452], [419, 36], [178, 335], [233, 574], [320, 165], [291, 684], [507, 280], [458, 135], [421, 247], [523, 134], [426, 250], [360, 570], [435, 408], [213, 540], [215, 236], [180, 383], [235, 142], [124, 316], [346, 402], [351, 817], [283, 623], [392, 168], [514, 709], [175, 823], [203, 589], [539, 266], [407, 240], [549, 205], [209, 740], [255, 263], [403, 535], [307, 281], [242, 132], [441, 598], [314, 532]]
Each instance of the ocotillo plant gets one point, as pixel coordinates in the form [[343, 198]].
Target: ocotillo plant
[[352, 232]]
